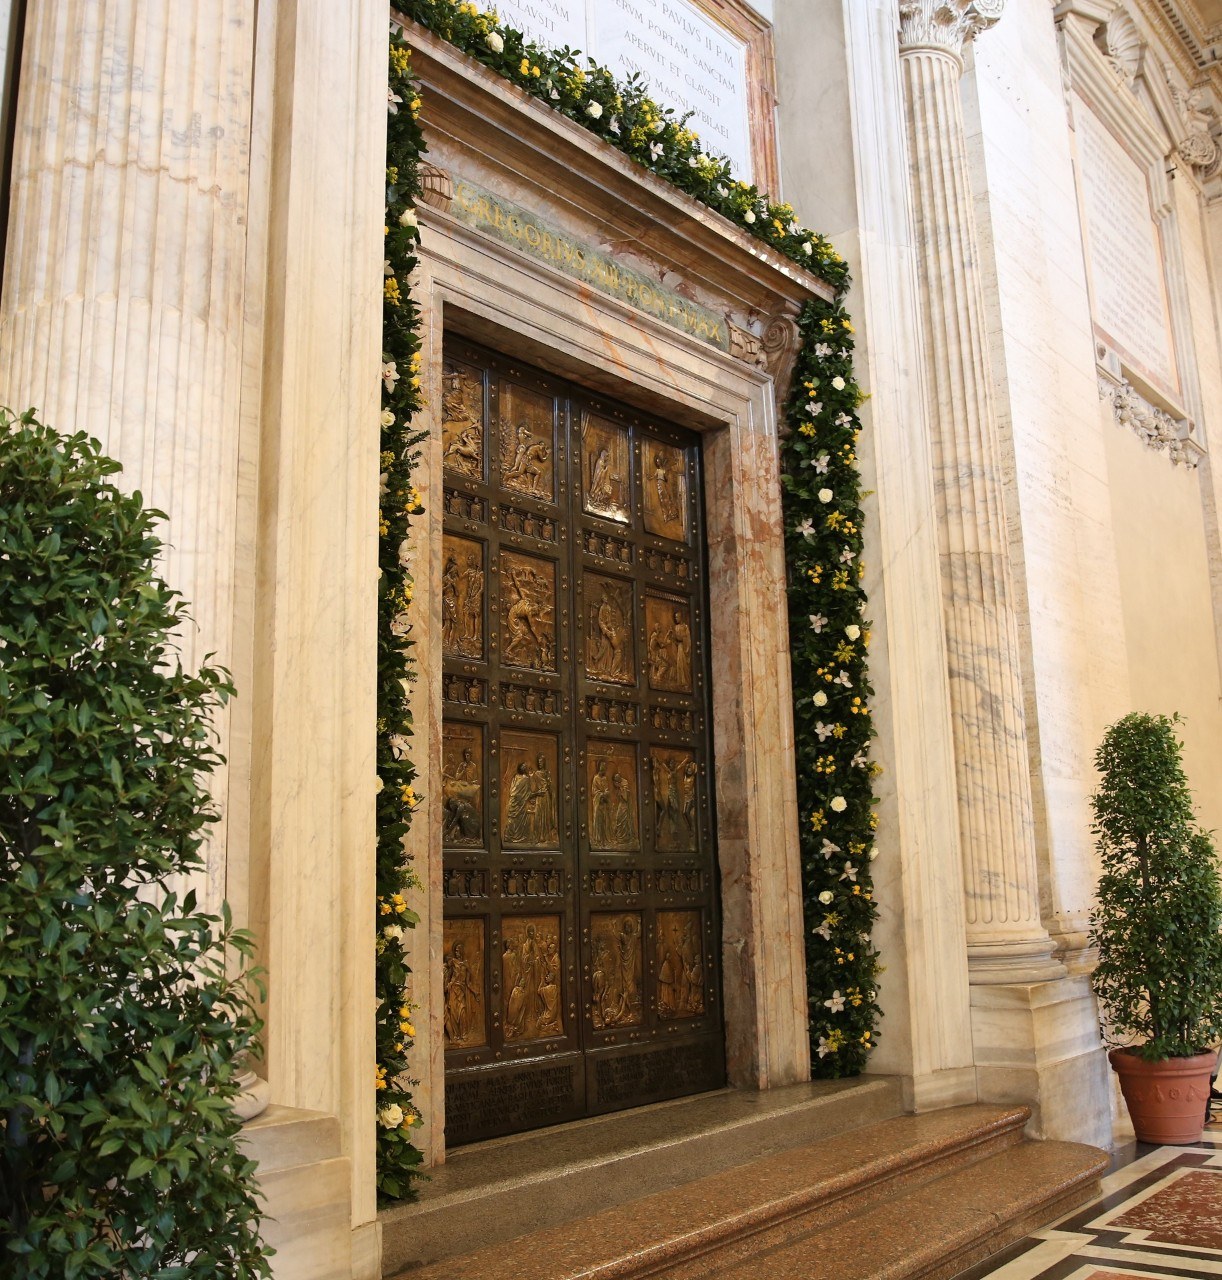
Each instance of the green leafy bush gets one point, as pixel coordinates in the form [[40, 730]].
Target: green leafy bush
[[120, 1013], [1157, 922]]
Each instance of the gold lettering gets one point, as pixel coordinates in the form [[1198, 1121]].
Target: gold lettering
[[515, 226], [497, 218], [532, 231], [465, 196]]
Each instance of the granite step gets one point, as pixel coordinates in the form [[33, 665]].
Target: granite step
[[491, 1192], [911, 1196]]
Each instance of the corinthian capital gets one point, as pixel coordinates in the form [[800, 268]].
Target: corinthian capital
[[945, 24]]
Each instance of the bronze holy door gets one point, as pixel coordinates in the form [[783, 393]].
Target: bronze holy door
[[581, 936]]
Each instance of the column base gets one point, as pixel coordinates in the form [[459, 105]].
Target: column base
[[307, 1204], [1011, 962], [935, 1090], [1038, 1043]]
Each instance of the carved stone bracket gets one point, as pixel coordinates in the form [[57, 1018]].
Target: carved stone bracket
[[945, 24], [1154, 426], [774, 349], [1199, 146], [745, 345]]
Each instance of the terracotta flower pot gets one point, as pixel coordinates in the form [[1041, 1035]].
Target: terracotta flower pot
[[1166, 1100]]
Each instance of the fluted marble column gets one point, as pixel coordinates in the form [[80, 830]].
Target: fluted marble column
[[1006, 941], [124, 272]]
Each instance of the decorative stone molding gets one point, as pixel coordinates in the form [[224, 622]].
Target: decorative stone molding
[[1154, 426], [745, 345], [945, 24], [436, 186], [1121, 43], [780, 350], [1199, 145]]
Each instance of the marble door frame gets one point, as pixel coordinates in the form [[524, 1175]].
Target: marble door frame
[[485, 290]]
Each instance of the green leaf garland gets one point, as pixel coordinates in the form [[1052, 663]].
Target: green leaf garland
[[822, 494], [398, 1159]]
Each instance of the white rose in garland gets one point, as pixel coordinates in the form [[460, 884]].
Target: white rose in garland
[[594, 110], [494, 42]]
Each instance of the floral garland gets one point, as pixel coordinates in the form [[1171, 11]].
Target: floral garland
[[828, 638], [397, 1158], [823, 522]]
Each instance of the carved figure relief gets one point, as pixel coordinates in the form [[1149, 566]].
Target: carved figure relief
[[466, 1023], [610, 649], [680, 965], [462, 420], [674, 798], [668, 632], [527, 454], [462, 784], [530, 977], [528, 791], [462, 597], [615, 974], [606, 469], [665, 491], [611, 796], [528, 611]]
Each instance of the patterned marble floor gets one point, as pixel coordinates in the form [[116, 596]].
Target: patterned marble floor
[[1160, 1215]]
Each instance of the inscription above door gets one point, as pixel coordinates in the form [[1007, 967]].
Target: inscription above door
[[581, 929]]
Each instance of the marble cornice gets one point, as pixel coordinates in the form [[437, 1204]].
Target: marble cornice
[[504, 138], [945, 24]]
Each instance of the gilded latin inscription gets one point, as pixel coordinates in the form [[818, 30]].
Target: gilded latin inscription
[[669, 643], [615, 978], [528, 611], [606, 468], [463, 978], [665, 491], [674, 798], [462, 597], [680, 965], [611, 796], [609, 643], [462, 784], [528, 791], [530, 977], [462, 420], [527, 447]]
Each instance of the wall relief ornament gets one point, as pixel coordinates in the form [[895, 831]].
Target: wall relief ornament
[[1154, 426], [946, 24], [1199, 145], [1121, 44]]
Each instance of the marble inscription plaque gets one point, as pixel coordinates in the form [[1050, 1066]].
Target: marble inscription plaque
[[611, 796], [615, 978], [610, 649], [674, 798], [527, 445], [665, 485], [606, 469], [462, 597], [531, 234], [462, 419], [462, 784], [530, 977], [688, 60], [466, 1021], [528, 790], [528, 611], [551, 24], [668, 632], [1124, 251], [680, 965]]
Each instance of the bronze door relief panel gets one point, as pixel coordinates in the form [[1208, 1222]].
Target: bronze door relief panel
[[581, 931]]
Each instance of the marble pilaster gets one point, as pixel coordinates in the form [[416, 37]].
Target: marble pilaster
[[124, 284], [1005, 938]]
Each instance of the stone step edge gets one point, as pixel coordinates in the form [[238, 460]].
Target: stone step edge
[[832, 1204], [451, 1199], [944, 1257], [914, 1166]]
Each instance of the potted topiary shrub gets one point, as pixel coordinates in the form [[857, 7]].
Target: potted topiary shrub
[[1156, 925], [124, 1009]]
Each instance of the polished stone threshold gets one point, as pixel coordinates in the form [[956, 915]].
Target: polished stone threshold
[[491, 1192], [902, 1196]]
